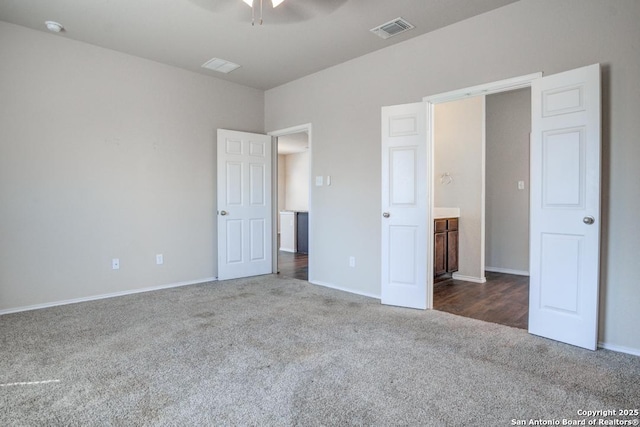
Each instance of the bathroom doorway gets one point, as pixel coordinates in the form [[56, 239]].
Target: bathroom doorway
[[481, 169]]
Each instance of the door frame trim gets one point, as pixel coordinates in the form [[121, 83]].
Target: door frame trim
[[499, 86], [306, 128]]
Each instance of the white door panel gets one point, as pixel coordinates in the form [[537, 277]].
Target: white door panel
[[565, 207], [244, 204], [563, 157], [404, 206]]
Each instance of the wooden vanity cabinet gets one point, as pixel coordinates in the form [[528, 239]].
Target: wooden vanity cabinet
[[445, 254]]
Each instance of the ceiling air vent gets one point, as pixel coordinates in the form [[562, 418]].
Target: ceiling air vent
[[392, 28], [220, 65]]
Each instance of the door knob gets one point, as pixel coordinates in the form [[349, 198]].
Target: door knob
[[386, 214], [588, 220], [223, 213]]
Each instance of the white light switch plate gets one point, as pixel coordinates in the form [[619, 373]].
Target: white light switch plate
[[520, 185], [319, 181]]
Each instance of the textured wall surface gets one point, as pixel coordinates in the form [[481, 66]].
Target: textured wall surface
[[104, 155]]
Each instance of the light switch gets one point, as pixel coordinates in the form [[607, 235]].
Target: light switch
[[319, 181], [520, 185], [328, 179]]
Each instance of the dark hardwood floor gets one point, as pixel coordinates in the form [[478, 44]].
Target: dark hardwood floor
[[295, 265], [503, 299]]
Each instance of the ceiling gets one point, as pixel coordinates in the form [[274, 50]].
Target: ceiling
[[298, 38]]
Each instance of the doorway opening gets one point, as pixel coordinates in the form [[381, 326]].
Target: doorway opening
[[292, 205], [564, 210], [481, 176]]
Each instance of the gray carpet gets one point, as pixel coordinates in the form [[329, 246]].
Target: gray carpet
[[272, 351]]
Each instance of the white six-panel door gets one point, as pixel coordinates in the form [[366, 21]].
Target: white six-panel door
[[244, 204], [565, 207], [404, 213]]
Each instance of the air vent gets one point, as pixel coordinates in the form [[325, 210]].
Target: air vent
[[392, 28], [220, 65]]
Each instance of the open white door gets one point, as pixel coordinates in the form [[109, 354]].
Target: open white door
[[565, 207], [244, 204], [404, 255]]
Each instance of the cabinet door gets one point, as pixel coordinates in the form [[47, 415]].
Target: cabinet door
[[440, 254], [440, 225], [452, 251], [288, 232]]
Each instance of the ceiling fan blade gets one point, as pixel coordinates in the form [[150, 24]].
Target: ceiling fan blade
[[288, 12]]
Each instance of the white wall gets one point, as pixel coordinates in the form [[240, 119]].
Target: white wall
[[343, 104], [508, 126], [282, 185], [459, 150], [297, 182], [104, 155]]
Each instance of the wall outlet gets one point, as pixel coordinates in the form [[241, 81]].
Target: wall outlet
[[352, 261], [159, 259], [115, 264], [520, 185]]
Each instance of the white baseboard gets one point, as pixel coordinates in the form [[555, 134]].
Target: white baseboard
[[340, 288], [507, 271], [103, 296], [619, 348], [457, 276], [287, 250]]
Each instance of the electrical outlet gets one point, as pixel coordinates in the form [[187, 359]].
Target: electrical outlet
[[520, 185], [352, 261], [159, 259], [115, 264]]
